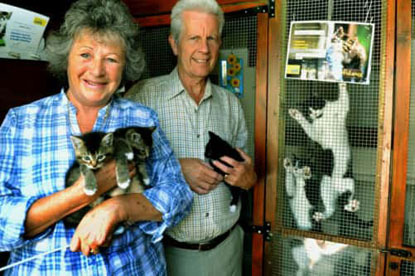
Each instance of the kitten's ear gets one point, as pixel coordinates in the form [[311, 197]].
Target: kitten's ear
[[77, 142], [152, 129], [108, 139], [211, 135]]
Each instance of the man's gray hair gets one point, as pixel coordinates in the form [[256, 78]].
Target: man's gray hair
[[208, 6], [104, 18]]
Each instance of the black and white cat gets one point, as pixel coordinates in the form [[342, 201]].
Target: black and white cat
[[94, 149], [308, 188], [324, 122], [214, 150]]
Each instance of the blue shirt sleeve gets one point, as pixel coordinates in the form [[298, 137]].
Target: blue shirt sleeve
[[14, 205], [170, 193]]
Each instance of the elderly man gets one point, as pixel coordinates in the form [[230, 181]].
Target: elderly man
[[208, 241]]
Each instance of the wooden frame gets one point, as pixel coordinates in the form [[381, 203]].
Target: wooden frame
[[273, 113], [385, 133], [260, 141], [401, 133], [157, 13], [386, 88], [145, 8]]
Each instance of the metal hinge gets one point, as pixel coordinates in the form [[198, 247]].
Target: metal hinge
[[271, 9], [397, 252], [263, 230]]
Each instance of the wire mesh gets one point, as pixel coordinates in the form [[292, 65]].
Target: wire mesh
[[311, 197], [407, 268], [409, 226]]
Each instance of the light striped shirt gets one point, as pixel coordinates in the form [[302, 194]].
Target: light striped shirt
[[36, 152], [186, 125]]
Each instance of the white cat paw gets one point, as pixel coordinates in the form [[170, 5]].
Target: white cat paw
[[318, 216], [129, 155], [89, 192], [306, 172], [288, 165], [352, 206], [146, 181], [294, 113], [232, 208], [124, 185], [120, 229]]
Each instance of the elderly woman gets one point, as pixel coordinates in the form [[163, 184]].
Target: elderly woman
[[96, 50]]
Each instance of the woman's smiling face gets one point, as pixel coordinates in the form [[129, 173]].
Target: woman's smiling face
[[95, 68]]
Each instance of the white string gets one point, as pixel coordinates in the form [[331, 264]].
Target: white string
[[34, 257], [368, 11]]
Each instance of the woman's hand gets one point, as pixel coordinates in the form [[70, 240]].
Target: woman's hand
[[46, 211], [97, 226]]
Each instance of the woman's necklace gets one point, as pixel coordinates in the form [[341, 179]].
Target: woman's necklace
[[104, 122]]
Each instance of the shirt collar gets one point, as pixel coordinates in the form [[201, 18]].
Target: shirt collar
[[177, 86]]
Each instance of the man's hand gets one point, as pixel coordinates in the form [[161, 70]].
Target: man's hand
[[242, 174], [199, 175]]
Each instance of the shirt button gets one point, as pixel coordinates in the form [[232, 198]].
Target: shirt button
[[207, 214], [198, 135]]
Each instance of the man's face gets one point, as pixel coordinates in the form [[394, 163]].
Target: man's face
[[198, 47]]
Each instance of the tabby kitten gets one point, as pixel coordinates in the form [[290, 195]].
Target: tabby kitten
[[94, 149], [214, 150]]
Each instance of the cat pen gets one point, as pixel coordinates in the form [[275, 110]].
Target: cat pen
[[328, 150]]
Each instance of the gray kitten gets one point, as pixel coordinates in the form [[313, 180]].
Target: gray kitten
[[94, 149]]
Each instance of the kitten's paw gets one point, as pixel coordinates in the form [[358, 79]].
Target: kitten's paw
[[318, 216], [129, 155], [120, 230], [306, 171], [232, 208], [146, 181], [294, 113], [352, 206], [124, 185], [288, 164], [90, 191]]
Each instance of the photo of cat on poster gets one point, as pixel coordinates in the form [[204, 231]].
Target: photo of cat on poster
[[332, 51], [4, 18]]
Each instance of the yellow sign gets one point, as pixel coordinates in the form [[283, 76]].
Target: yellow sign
[[293, 69], [40, 21]]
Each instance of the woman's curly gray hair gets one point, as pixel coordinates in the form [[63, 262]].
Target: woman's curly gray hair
[[208, 6], [106, 18]]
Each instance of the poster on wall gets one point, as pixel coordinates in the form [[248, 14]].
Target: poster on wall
[[231, 74], [21, 32], [333, 51]]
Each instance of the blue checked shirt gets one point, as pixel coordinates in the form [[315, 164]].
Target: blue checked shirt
[[36, 152]]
